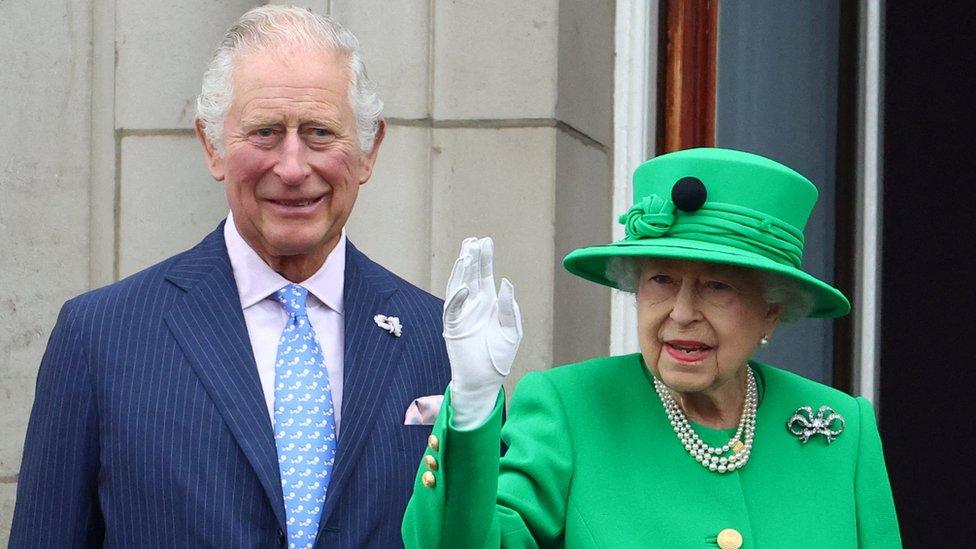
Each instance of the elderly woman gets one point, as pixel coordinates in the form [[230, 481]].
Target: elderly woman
[[688, 443]]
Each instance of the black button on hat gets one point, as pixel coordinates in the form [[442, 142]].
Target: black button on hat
[[688, 194]]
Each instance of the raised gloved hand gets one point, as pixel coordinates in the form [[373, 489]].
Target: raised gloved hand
[[482, 331]]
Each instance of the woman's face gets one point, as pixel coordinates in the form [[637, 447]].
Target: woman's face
[[698, 323]]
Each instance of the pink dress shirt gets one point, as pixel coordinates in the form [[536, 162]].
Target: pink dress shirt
[[265, 318]]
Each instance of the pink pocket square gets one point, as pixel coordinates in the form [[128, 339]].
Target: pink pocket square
[[424, 410]]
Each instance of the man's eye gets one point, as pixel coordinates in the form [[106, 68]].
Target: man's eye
[[265, 132], [660, 279], [321, 132]]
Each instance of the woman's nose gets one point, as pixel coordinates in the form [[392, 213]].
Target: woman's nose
[[685, 309]]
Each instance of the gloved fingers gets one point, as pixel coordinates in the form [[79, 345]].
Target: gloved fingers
[[503, 343], [517, 313], [472, 273], [454, 307], [509, 315], [456, 280], [487, 269], [506, 300]]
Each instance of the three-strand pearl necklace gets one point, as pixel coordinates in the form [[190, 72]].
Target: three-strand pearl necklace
[[721, 459]]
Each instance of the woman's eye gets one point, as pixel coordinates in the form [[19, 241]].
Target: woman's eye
[[660, 279], [718, 286]]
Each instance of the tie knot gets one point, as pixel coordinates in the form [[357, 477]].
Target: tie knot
[[292, 297]]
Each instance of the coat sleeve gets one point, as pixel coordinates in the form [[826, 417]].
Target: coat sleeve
[[877, 523], [479, 500], [57, 500]]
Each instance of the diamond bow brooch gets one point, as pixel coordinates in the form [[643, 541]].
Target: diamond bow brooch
[[389, 323], [827, 422]]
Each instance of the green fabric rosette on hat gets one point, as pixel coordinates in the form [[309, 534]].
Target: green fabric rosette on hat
[[721, 206]]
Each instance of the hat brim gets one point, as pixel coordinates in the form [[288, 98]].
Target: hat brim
[[591, 263]]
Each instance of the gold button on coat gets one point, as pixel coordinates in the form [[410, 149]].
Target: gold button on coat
[[431, 462], [428, 479], [729, 538], [433, 443]]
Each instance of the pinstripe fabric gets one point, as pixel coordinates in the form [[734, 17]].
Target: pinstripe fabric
[[149, 428]]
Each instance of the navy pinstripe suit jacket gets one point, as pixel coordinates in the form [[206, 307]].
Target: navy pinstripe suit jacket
[[149, 427]]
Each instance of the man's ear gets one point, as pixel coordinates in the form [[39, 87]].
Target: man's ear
[[214, 161], [369, 159]]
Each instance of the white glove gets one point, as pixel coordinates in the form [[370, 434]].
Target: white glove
[[482, 331]]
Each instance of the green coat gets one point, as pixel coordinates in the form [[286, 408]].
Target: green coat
[[593, 462]]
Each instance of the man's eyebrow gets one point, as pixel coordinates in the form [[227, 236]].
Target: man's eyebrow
[[260, 121], [327, 122]]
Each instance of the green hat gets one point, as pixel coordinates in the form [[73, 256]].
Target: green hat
[[719, 206]]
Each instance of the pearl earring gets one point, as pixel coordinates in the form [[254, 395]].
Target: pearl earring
[[763, 342]]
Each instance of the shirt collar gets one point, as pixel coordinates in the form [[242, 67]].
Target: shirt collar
[[256, 280]]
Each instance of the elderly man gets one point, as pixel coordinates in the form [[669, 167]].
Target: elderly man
[[271, 386]]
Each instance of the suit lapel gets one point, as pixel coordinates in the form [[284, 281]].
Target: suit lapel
[[209, 325], [368, 360]]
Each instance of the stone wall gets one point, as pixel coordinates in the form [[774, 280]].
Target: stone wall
[[45, 93], [499, 122]]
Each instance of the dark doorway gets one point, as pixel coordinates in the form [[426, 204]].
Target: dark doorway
[[928, 327]]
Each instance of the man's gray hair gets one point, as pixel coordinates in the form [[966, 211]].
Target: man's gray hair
[[273, 26], [778, 289]]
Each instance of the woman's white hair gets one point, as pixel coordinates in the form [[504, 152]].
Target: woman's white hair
[[273, 26], [789, 294]]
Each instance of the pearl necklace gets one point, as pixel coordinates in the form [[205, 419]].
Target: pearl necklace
[[711, 457]]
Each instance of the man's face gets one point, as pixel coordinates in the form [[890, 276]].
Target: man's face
[[292, 166]]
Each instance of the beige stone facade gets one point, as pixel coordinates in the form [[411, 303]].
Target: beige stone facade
[[500, 123]]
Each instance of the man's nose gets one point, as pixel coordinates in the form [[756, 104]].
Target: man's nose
[[292, 167], [685, 310]]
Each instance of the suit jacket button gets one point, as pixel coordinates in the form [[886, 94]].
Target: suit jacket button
[[428, 479], [729, 538], [431, 462], [433, 443]]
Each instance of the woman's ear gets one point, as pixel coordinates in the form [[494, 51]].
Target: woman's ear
[[772, 317]]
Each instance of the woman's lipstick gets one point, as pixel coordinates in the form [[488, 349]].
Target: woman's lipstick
[[687, 350]]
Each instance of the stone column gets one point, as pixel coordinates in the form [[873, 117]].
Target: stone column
[[499, 124]]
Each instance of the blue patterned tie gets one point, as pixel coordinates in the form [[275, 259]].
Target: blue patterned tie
[[304, 420]]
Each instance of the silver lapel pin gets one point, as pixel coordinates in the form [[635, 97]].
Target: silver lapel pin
[[804, 424], [389, 323]]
